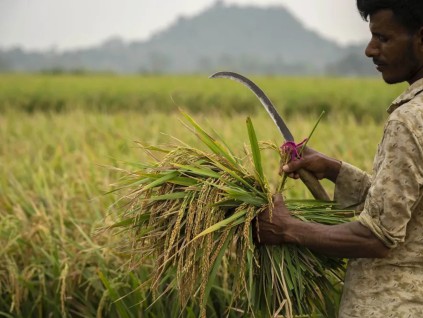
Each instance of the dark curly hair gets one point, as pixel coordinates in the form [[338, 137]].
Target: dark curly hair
[[408, 12]]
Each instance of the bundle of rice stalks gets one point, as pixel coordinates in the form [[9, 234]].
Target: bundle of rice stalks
[[191, 214]]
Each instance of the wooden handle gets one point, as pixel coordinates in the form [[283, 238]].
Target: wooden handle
[[311, 182]]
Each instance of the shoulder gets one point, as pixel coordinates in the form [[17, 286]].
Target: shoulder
[[410, 116]]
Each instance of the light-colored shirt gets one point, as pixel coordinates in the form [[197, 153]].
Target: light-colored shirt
[[390, 202]]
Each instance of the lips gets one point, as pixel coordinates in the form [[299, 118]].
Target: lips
[[379, 65]]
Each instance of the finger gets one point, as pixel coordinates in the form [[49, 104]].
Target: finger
[[277, 199], [293, 165], [307, 150], [290, 167], [293, 175]]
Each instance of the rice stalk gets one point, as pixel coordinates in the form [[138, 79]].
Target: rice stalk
[[191, 215]]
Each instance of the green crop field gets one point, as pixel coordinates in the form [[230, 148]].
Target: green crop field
[[366, 97], [65, 138]]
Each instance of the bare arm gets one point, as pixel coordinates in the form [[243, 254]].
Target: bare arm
[[349, 240]]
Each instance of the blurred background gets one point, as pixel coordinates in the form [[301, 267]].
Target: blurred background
[[286, 37]]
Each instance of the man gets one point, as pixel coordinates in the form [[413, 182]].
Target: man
[[385, 245]]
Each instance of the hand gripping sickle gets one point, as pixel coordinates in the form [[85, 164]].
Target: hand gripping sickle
[[308, 179]]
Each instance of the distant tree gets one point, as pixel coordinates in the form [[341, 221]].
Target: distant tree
[[158, 63], [4, 65], [205, 64], [352, 65]]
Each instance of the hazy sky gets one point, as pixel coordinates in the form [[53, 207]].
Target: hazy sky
[[63, 24]]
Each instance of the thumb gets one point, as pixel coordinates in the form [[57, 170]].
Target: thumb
[[293, 165]]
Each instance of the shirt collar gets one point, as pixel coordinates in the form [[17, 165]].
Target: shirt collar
[[412, 91]]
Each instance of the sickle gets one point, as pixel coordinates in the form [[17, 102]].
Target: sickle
[[306, 177]]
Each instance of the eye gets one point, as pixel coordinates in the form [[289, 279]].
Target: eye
[[381, 38]]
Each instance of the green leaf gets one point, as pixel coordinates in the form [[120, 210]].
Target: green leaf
[[169, 196], [124, 223], [255, 149], [209, 141], [114, 295], [234, 217], [167, 177], [312, 132], [243, 196], [199, 171], [216, 266]]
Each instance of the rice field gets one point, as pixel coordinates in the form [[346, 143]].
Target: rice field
[[366, 97], [64, 139]]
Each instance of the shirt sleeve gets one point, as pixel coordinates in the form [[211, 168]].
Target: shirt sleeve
[[351, 187], [397, 185]]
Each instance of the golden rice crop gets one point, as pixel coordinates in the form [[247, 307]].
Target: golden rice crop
[[190, 214]]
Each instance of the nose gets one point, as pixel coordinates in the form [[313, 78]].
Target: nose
[[372, 49]]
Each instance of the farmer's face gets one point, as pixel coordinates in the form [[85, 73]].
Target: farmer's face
[[396, 52]]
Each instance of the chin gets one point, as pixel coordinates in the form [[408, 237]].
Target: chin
[[392, 80]]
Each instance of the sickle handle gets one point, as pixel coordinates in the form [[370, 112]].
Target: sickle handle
[[313, 185]]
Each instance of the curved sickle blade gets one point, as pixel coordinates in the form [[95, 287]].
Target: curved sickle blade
[[265, 101], [309, 179]]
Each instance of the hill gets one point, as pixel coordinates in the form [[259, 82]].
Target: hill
[[247, 39]]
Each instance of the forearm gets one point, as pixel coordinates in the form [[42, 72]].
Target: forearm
[[349, 240], [333, 168]]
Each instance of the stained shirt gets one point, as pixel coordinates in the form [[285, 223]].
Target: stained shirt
[[390, 204]]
